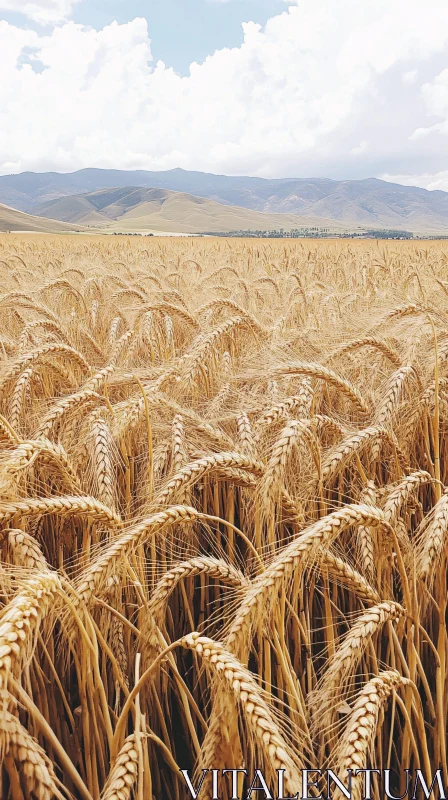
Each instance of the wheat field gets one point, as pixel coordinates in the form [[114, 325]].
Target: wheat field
[[224, 513]]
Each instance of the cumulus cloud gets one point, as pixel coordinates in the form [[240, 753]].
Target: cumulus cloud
[[437, 181], [321, 89], [411, 76], [42, 11], [433, 136]]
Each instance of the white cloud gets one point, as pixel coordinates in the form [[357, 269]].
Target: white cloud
[[436, 94], [425, 181], [42, 11], [318, 90], [435, 98], [361, 148], [410, 77]]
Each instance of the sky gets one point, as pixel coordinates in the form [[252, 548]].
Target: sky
[[274, 88]]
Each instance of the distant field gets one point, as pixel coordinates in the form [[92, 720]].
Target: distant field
[[224, 511]]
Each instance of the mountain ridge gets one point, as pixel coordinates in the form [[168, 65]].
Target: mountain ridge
[[12, 221], [369, 202], [139, 209]]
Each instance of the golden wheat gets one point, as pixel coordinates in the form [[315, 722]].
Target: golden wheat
[[223, 510]]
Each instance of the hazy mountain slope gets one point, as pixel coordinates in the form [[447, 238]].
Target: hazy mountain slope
[[27, 189], [159, 209], [370, 202], [12, 220]]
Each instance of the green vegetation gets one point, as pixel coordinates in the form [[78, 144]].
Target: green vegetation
[[317, 233]]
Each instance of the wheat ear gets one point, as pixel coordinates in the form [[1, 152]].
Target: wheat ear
[[20, 622], [359, 735], [298, 553], [124, 773], [35, 770], [336, 680], [276, 752]]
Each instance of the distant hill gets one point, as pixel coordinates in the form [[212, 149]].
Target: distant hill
[[138, 209], [12, 220], [369, 203]]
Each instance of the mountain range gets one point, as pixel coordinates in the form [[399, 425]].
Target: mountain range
[[136, 209], [369, 203]]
